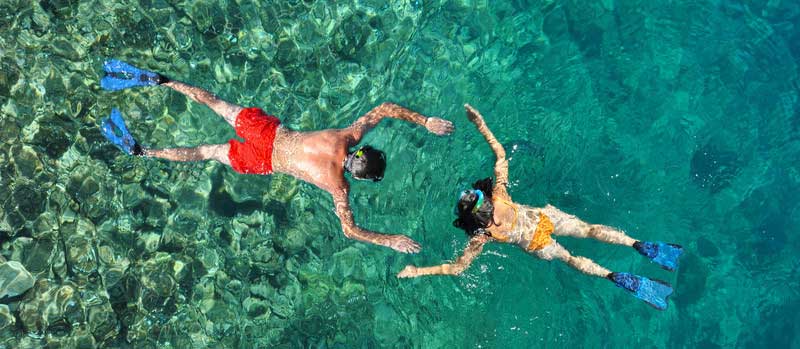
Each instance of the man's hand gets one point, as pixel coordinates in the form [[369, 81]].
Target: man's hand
[[402, 243], [437, 126], [409, 271]]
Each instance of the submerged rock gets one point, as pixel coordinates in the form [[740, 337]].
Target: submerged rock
[[7, 320], [291, 241], [9, 335], [51, 308], [348, 264], [256, 308], [14, 279], [264, 259], [36, 255], [79, 338], [80, 255], [59, 201], [54, 135], [9, 75], [180, 230], [28, 201], [351, 35], [45, 226], [282, 306], [149, 242], [159, 277], [27, 162], [103, 322], [112, 268]]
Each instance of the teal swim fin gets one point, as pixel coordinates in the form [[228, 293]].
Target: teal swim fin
[[654, 292]]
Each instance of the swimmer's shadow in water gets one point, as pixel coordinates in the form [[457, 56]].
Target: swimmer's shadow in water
[[221, 202]]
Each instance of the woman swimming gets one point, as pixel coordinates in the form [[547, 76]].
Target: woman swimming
[[488, 213]]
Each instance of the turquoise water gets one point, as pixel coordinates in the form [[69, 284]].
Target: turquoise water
[[675, 121]]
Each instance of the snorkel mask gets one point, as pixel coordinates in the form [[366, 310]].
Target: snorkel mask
[[366, 163], [470, 195], [349, 160]]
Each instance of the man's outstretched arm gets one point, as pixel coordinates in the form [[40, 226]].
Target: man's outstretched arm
[[365, 123], [399, 243]]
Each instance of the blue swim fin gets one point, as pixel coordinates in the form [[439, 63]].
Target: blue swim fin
[[666, 255], [113, 128], [120, 75], [654, 292]]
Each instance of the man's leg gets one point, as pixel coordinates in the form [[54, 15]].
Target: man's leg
[[569, 225], [228, 111], [218, 152]]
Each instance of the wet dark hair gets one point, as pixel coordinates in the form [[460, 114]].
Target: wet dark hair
[[474, 223], [366, 163]]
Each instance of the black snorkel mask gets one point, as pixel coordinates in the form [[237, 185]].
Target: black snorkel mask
[[348, 161], [358, 155]]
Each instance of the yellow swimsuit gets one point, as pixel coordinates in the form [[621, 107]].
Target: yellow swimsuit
[[522, 230]]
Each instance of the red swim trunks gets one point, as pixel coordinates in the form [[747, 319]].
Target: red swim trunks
[[254, 155]]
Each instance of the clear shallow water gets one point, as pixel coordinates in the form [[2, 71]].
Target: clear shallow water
[[675, 121]]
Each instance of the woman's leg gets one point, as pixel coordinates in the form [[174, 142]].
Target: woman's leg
[[585, 265], [227, 110], [666, 255], [218, 152], [654, 292], [569, 225]]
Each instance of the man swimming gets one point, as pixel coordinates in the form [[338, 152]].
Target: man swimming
[[488, 213], [318, 157]]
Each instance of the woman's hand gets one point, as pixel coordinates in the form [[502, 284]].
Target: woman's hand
[[409, 271], [440, 127], [472, 114]]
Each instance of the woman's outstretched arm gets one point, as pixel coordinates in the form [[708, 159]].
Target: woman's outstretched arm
[[474, 248], [500, 164]]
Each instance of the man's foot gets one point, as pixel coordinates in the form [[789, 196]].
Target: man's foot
[[666, 255], [654, 292], [113, 128], [120, 75]]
